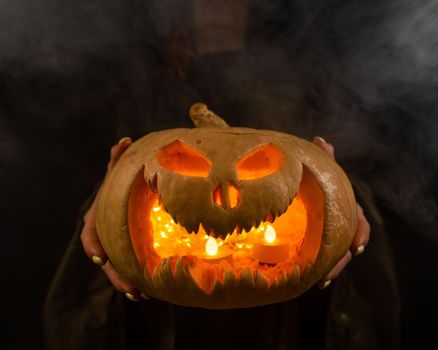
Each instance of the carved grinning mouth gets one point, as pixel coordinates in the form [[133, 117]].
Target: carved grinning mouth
[[170, 238], [158, 240]]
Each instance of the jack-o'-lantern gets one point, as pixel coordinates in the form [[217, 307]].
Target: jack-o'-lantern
[[224, 217]]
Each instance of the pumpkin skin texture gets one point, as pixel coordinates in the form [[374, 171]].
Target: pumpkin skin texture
[[224, 182]]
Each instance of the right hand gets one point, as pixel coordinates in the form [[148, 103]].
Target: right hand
[[90, 239]]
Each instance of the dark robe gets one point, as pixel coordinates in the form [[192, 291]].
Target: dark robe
[[360, 310]]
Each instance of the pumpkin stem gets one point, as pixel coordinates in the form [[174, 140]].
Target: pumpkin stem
[[202, 117]]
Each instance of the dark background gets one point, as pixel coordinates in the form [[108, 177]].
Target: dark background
[[77, 75]]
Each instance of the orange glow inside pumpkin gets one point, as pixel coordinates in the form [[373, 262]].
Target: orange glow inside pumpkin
[[233, 196], [260, 162], [155, 236], [217, 196], [170, 239], [182, 159]]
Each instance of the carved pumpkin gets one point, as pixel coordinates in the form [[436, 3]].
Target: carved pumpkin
[[223, 217]]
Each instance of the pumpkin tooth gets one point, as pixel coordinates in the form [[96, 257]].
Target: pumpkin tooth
[[279, 212], [238, 230], [247, 228], [307, 268], [246, 277], [285, 208], [268, 217], [209, 230], [294, 278], [216, 235], [153, 183], [166, 276], [179, 269], [283, 279], [228, 231], [156, 278], [261, 281], [195, 228], [229, 277]]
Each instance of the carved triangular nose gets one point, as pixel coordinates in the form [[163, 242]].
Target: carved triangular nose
[[227, 197]]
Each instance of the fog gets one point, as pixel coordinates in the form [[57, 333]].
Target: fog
[[76, 75]]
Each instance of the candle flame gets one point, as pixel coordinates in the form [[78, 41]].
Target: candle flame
[[211, 247], [270, 234]]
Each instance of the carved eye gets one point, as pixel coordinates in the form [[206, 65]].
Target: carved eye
[[262, 161], [182, 159]]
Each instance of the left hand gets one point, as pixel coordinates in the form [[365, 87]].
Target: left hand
[[362, 236], [90, 239]]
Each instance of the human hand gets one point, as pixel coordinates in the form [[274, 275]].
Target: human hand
[[90, 239], [362, 236]]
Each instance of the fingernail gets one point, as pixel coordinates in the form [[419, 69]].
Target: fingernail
[[97, 260], [359, 250], [131, 297], [124, 139], [325, 284], [144, 296], [320, 139]]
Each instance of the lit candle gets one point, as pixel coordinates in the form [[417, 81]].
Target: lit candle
[[213, 255], [270, 249]]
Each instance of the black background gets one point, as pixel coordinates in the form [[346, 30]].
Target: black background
[[77, 75]]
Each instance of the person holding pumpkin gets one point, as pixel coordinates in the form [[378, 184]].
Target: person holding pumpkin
[[95, 252], [123, 324], [352, 313]]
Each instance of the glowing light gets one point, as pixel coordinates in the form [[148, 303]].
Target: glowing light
[[156, 209], [270, 234], [163, 234], [211, 247], [156, 245]]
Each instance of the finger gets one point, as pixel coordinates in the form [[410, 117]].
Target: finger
[[362, 236], [117, 151], [120, 283], [91, 244], [326, 147], [336, 270], [89, 238]]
